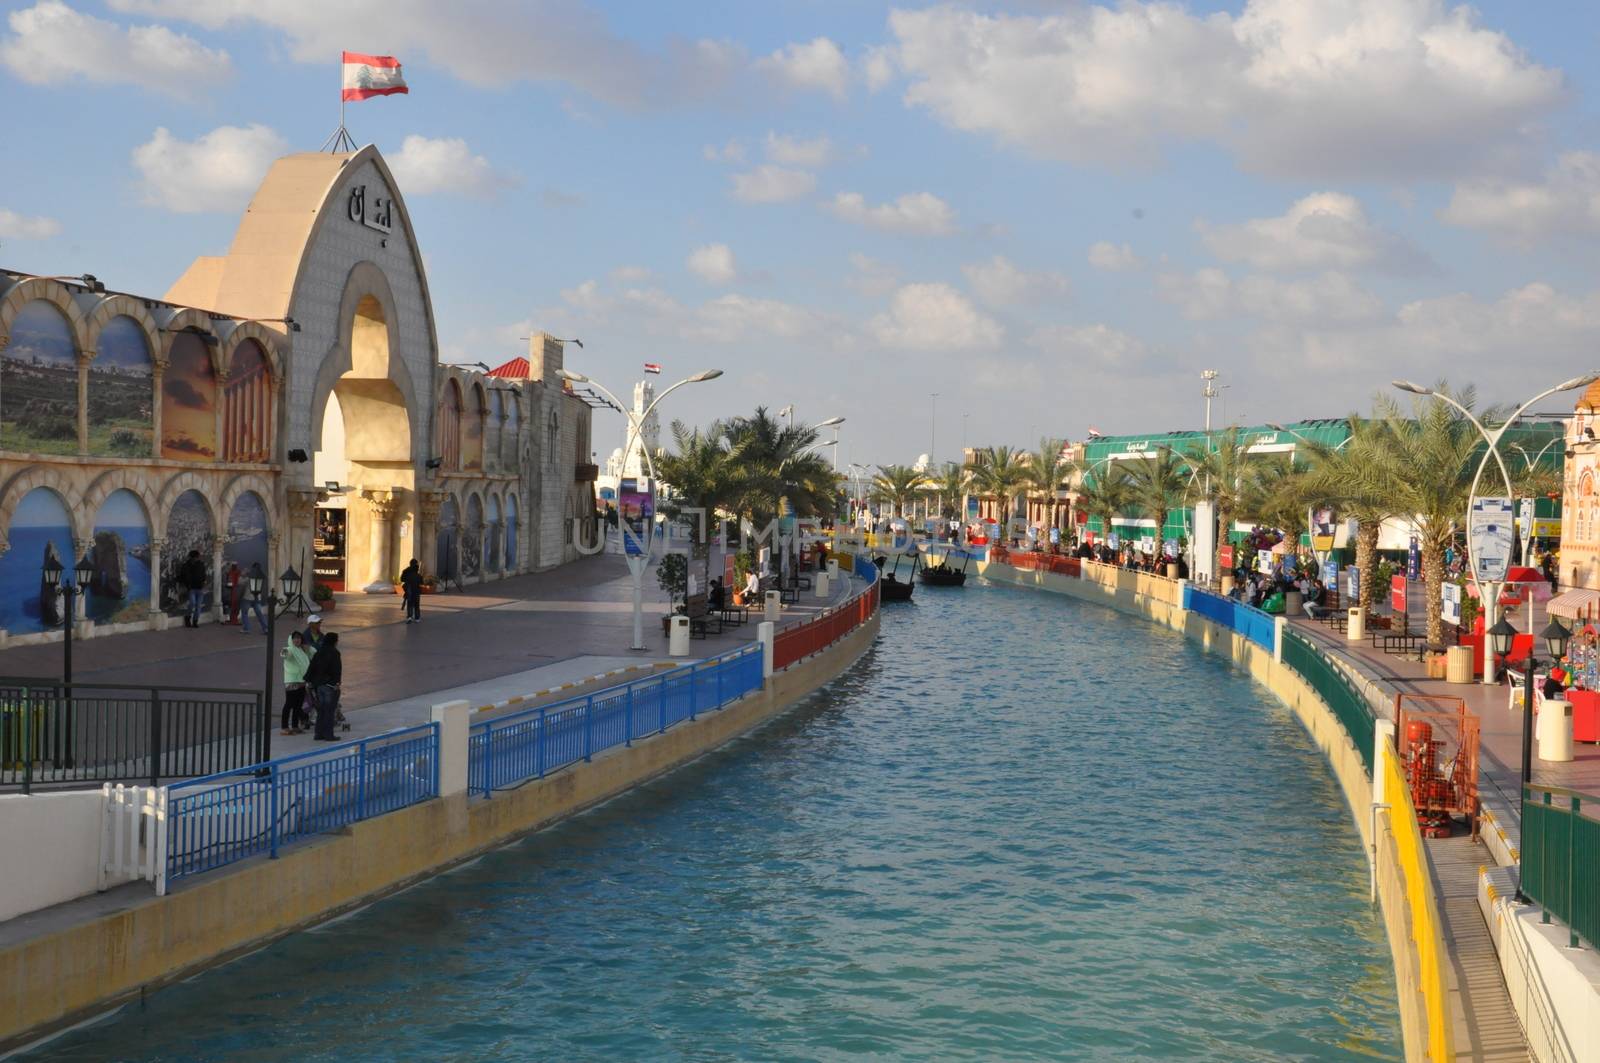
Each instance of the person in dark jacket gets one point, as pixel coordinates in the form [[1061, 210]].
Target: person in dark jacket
[[323, 678], [411, 592], [193, 577]]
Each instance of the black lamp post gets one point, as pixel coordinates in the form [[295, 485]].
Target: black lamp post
[[1556, 636], [256, 583], [53, 573]]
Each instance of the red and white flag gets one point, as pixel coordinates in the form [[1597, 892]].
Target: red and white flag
[[651, 367], [366, 76]]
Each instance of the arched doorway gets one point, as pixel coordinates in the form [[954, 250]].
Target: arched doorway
[[364, 461], [449, 533], [472, 539]]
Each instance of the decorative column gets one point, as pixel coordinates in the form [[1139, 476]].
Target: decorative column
[[300, 534], [158, 618], [221, 418], [219, 591], [429, 503], [158, 371], [85, 356], [382, 505]]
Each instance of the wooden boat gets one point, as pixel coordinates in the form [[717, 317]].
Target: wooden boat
[[944, 574], [891, 587]]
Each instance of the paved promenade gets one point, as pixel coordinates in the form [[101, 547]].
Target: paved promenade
[[513, 637]]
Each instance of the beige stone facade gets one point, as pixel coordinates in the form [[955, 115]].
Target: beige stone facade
[[1580, 495], [309, 347]]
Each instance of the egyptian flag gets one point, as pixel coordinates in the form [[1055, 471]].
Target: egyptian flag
[[651, 367], [366, 76]]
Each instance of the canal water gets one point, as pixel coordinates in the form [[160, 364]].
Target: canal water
[[1021, 828]]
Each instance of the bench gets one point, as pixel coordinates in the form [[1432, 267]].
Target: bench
[[732, 614], [700, 618], [1404, 639]]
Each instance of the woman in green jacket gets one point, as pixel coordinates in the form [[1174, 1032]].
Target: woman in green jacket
[[295, 661]]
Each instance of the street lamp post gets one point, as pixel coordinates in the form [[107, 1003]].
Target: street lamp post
[[1491, 603], [637, 563], [1556, 637], [54, 574]]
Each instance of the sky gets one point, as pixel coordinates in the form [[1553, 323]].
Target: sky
[[1051, 215]]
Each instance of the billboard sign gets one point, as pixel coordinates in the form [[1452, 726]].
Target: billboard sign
[[1492, 536], [1323, 529], [1225, 557], [1397, 593], [636, 512], [1352, 583], [1450, 595]]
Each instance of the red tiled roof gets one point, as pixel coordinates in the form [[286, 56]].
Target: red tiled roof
[[516, 369]]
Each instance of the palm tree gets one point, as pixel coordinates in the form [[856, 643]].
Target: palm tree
[[896, 485], [705, 478], [1277, 494], [1423, 465], [998, 473], [1351, 478], [1044, 471], [1222, 473], [950, 486], [1158, 482], [777, 461], [1107, 496]]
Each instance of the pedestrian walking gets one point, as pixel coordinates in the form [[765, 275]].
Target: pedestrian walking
[[411, 592], [193, 577], [296, 659], [233, 588], [323, 677], [252, 599]]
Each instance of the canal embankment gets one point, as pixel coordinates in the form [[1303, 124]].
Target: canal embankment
[[264, 853], [1350, 736]]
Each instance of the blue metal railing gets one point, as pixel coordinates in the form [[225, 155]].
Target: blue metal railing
[[233, 815], [1250, 622], [509, 750]]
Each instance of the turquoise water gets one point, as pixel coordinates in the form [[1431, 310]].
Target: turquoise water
[[1021, 828]]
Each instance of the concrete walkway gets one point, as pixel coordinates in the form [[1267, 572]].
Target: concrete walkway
[[514, 637]]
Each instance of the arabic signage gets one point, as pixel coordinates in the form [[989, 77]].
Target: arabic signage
[[376, 212], [1491, 535]]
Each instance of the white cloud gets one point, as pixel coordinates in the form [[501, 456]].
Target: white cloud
[[713, 263], [630, 273], [922, 213], [732, 151], [587, 297], [732, 318], [23, 227], [1293, 87], [485, 43], [1328, 299], [934, 317], [791, 151], [1097, 344], [817, 65], [1000, 282], [217, 172], [1565, 202], [446, 165], [1327, 230], [1113, 258], [773, 184], [878, 68], [872, 277], [52, 44]]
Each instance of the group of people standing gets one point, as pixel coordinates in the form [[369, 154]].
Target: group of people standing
[[313, 677], [242, 593]]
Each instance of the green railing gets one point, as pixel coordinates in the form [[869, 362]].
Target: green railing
[[1561, 858], [1331, 685]]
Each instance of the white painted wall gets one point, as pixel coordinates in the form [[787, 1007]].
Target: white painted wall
[[60, 835]]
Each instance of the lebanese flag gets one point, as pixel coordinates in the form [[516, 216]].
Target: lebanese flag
[[651, 367], [366, 76]]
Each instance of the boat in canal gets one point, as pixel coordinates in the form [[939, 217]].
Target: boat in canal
[[891, 587], [944, 574]]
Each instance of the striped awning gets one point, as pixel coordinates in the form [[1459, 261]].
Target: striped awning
[[1574, 603]]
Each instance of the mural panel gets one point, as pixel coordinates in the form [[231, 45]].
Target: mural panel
[[472, 539], [188, 528], [121, 406], [189, 402], [244, 542], [247, 406], [449, 534], [511, 533], [119, 593], [39, 530], [39, 384], [450, 426]]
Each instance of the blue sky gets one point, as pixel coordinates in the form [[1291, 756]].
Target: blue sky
[[1052, 214]]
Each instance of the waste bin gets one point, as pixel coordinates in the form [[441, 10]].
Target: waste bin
[[833, 568], [1356, 629], [1294, 604], [774, 609], [1555, 730], [821, 583], [1458, 664], [678, 637]]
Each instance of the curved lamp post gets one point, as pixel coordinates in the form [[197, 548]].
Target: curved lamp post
[[637, 563], [54, 576], [1492, 439]]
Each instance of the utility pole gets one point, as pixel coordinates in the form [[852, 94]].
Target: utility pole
[[1210, 391], [933, 425]]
